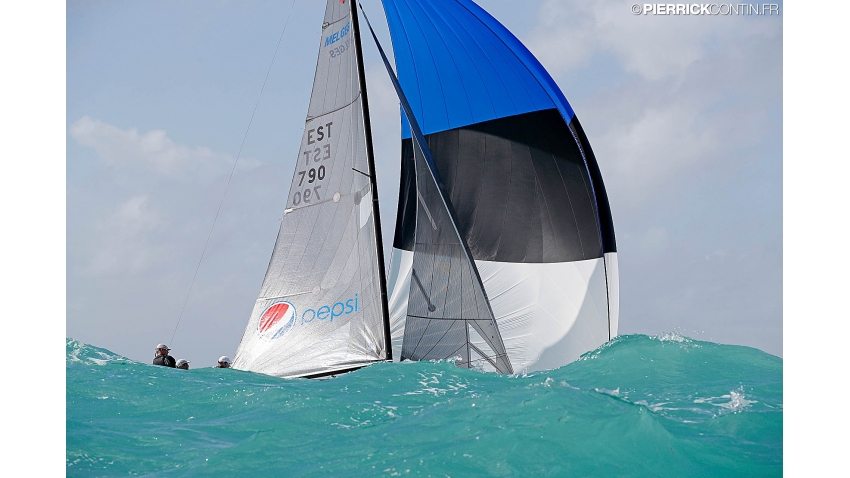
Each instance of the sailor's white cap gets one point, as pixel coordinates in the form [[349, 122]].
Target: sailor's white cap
[[162, 346], [181, 362], [224, 358]]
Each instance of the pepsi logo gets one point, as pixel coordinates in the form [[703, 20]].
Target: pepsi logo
[[276, 320]]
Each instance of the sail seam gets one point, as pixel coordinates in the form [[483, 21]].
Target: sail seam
[[439, 82], [430, 17], [556, 102], [410, 48], [463, 23], [424, 331], [437, 342], [505, 212], [542, 197], [479, 190], [311, 118], [475, 39], [570, 202]]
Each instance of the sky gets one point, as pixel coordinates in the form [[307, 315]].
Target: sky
[[684, 114], [195, 75]]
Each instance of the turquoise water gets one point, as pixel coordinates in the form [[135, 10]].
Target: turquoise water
[[637, 406]]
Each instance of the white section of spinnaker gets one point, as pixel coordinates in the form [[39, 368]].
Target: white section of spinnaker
[[365, 209], [612, 271], [321, 293], [398, 288], [548, 313]]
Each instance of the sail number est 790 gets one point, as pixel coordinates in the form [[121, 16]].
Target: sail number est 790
[[307, 189]]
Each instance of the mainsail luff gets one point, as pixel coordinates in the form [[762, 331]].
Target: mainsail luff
[[370, 155], [460, 299], [320, 309]]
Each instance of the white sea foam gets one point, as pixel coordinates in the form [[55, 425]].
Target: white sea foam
[[81, 352], [674, 336], [736, 401], [653, 407], [613, 393]]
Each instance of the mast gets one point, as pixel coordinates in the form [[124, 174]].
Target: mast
[[376, 214]]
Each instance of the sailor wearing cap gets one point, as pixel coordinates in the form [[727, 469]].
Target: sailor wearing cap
[[183, 363], [162, 357], [223, 362]]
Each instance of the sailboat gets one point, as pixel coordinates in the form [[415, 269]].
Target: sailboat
[[504, 257]]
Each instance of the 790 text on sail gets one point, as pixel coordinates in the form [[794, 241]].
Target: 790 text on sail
[[315, 135]]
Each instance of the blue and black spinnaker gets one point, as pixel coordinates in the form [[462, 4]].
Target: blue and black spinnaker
[[522, 181]]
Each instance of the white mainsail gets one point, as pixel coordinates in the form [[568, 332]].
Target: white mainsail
[[320, 309]]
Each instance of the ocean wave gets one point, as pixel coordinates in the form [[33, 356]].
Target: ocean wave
[[639, 407], [81, 353]]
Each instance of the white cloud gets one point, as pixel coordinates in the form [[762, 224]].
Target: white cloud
[[121, 242], [654, 240], [686, 95], [570, 32], [565, 37], [152, 151], [654, 148]]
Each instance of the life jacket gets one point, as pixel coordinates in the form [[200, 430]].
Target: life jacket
[[166, 360]]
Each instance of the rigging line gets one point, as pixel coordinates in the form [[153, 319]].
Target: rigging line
[[230, 178]]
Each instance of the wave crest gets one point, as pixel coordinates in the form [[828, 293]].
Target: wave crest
[[77, 352]]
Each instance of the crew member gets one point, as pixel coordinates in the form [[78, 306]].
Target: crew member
[[162, 357], [183, 363], [223, 362]]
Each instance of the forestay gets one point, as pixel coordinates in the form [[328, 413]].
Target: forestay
[[319, 310]]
